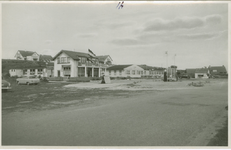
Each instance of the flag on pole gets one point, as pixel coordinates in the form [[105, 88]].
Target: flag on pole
[[91, 53]]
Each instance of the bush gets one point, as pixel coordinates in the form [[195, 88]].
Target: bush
[[96, 78], [56, 79], [44, 79], [79, 79]]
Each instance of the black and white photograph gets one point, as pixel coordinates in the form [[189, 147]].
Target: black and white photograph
[[115, 74]]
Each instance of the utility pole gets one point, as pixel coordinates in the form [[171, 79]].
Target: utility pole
[[174, 59], [167, 62]]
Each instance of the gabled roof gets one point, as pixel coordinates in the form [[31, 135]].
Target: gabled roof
[[45, 58], [145, 67], [26, 53], [118, 67], [218, 68], [74, 55], [197, 70], [202, 70], [159, 69], [103, 58], [191, 70]]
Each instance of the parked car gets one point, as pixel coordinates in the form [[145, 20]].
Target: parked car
[[6, 85], [172, 79], [28, 80], [185, 76]]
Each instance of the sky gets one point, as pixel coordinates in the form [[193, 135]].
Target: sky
[[194, 35]]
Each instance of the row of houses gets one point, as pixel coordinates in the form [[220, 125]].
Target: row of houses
[[67, 63], [32, 56], [205, 72]]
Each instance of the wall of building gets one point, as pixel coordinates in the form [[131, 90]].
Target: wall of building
[[204, 75], [16, 72], [59, 66], [134, 71]]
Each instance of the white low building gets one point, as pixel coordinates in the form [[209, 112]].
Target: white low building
[[40, 71], [124, 71]]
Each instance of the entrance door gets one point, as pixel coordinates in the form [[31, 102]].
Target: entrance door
[[58, 73]]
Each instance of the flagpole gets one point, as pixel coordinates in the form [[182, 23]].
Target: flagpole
[[174, 59], [167, 62]]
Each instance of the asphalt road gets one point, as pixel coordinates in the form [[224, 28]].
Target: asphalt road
[[186, 117]]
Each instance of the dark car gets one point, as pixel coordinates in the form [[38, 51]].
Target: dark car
[[5, 85], [185, 76]]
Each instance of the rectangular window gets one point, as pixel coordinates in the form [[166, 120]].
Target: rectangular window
[[58, 60], [62, 59], [40, 71], [83, 60], [138, 72], [128, 71], [115, 72], [32, 71], [67, 71], [68, 59], [109, 72], [133, 72], [120, 72]]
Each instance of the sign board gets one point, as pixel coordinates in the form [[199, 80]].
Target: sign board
[[107, 79]]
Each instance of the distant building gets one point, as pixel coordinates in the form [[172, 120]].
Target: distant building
[[172, 71], [26, 55], [202, 73], [26, 68], [125, 71], [198, 73], [105, 61], [45, 58], [217, 70], [33, 56], [150, 71]]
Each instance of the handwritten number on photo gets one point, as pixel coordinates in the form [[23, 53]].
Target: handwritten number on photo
[[120, 5]]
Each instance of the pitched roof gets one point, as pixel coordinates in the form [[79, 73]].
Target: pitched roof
[[103, 58], [191, 70], [202, 70], [46, 58], [145, 67], [197, 70], [118, 67], [26, 53], [74, 55], [160, 69], [218, 68]]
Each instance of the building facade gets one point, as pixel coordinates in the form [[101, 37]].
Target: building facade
[[26, 55], [77, 64], [39, 72], [125, 71]]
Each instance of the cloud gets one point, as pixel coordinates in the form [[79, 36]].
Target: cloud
[[126, 42], [89, 35], [202, 36], [213, 19], [48, 42], [159, 24]]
